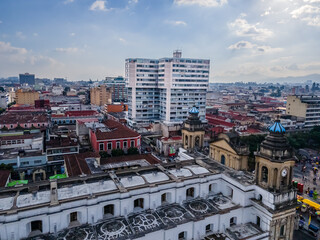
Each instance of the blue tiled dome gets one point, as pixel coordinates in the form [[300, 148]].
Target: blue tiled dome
[[277, 127], [194, 110]]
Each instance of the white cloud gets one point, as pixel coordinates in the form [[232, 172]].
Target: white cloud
[[267, 12], [133, 1], [176, 23], [202, 3], [67, 50], [303, 10], [244, 29], [312, 1], [98, 5], [241, 45], [20, 35], [15, 56], [122, 40], [7, 48], [35, 34], [256, 49], [72, 34], [308, 14], [68, 1]]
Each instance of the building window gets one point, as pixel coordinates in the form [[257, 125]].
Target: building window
[[108, 210], [264, 174], [125, 144], [109, 145], [132, 143], [73, 216], [223, 159], [138, 203], [209, 228], [36, 226], [138, 143], [233, 221], [101, 146], [282, 231], [212, 187], [182, 236], [190, 192], [165, 198], [118, 145], [258, 221]]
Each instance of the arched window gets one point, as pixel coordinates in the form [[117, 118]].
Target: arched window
[[165, 198], [138, 203], [108, 210], [190, 192], [197, 141], [36, 226], [186, 141], [258, 221], [182, 236], [223, 159], [233, 221], [212, 188], [264, 174], [73, 217], [282, 231]]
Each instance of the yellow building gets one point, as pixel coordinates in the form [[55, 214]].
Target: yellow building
[[227, 150], [26, 96], [100, 95], [304, 106]]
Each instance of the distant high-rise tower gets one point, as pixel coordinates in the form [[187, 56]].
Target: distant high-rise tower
[[119, 91], [165, 89], [100, 95], [27, 78]]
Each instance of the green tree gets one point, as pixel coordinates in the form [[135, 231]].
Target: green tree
[[117, 152], [6, 167], [10, 104], [133, 150], [104, 154]]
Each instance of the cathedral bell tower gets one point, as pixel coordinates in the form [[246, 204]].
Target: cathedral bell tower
[[193, 131], [275, 160], [274, 171]]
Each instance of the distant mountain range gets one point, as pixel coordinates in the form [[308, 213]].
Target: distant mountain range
[[313, 77]]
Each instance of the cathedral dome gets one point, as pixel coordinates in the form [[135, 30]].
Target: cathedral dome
[[194, 110], [277, 127]]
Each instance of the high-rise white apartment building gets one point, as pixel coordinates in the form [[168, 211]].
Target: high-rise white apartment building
[[165, 89]]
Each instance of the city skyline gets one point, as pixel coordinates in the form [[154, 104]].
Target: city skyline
[[81, 40]]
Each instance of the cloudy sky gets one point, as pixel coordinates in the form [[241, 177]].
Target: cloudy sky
[[246, 40]]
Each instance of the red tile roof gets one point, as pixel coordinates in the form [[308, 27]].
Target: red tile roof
[[84, 113], [60, 142], [174, 138], [76, 163], [81, 113], [4, 175], [24, 136], [117, 130], [21, 118], [216, 121]]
